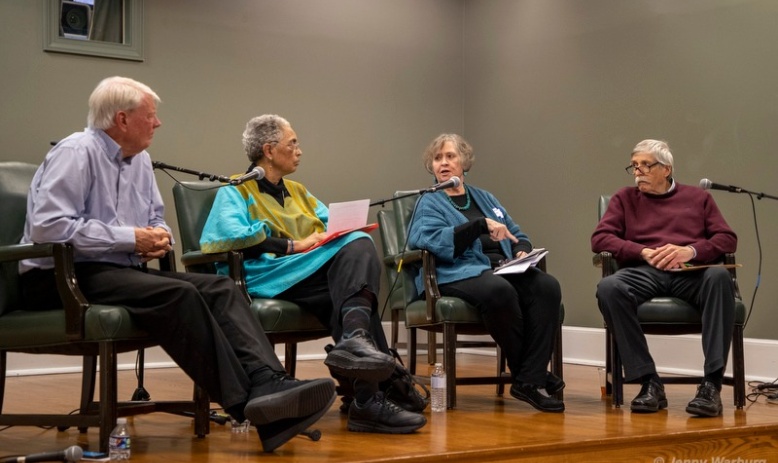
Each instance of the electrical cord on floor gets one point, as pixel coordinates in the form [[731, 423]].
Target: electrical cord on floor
[[761, 389]]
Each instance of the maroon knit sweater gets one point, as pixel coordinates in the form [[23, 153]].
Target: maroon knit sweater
[[686, 216]]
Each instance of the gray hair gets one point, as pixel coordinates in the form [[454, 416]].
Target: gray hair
[[659, 149], [267, 128], [461, 145], [114, 94]]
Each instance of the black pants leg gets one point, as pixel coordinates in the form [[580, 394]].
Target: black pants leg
[[521, 312], [201, 321]]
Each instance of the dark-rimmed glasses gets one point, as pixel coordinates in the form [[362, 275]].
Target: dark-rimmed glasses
[[642, 168]]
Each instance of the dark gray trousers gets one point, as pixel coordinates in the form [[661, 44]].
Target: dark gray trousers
[[620, 294]]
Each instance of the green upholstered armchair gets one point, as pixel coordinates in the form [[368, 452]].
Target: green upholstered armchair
[[671, 316], [82, 329], [283, 321], [448, 315]]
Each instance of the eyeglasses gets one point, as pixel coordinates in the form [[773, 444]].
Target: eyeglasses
[[293, 145], [642, 168]]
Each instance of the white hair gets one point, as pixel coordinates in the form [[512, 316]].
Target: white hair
[[114, 94]]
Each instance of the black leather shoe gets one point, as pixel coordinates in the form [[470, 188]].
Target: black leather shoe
[[707, 402], [285, 397], [383, 416], [358, 358], [554, 384], [531, 394], [651, 398], [275, 434]]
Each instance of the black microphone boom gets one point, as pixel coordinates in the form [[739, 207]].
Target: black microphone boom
[[706, 184], [453, 182], [255, 173], [70, 454], [200, 175]]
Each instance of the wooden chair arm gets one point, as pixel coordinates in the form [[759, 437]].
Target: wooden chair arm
[[233, 259]]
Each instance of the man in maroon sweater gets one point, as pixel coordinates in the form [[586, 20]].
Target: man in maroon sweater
[[651, 229]]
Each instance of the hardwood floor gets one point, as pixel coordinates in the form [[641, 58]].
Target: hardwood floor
[[484, 427]]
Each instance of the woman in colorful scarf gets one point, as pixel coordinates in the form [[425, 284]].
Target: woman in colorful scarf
[[470, 233], [277, 224]]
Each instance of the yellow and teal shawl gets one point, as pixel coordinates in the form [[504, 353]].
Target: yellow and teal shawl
[[242, 217]]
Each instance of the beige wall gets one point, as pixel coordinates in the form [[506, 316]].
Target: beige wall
[[552, 93]]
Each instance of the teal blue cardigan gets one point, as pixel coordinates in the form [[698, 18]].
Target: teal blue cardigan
[[433, 226]]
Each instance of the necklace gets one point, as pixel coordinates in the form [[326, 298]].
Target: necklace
[[467, 201]]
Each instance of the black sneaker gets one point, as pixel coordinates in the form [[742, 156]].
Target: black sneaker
[[275, 434], [285, 397], [707, 402], [357, 357], [402, 389], [383, 416], [554, 383], [532, 395]]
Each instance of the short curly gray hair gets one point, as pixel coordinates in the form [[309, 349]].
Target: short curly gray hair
[[463, 148], [267, 128]]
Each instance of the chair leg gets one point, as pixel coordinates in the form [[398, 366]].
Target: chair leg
[[412, 350], [432, 347], [617, 375], [738, 368], [450, 363], [501, 367], [202, 412], [108, 395], [557, 361], [3, 364], [290, 361], [88, 381]]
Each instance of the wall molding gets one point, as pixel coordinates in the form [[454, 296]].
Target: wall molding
[[583, 346]]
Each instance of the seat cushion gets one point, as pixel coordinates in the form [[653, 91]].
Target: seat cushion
[[23, 329], [277, 316], [448, 309], [670, 310]]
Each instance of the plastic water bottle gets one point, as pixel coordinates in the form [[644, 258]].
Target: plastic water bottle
[[438, 383], [119, 442]]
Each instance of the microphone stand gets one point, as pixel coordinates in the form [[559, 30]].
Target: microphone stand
[[200, 175], [382, 202]]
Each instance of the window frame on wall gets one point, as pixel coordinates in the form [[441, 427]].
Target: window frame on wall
[[130, 49]]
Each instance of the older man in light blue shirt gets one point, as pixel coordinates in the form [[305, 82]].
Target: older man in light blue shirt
[[96, 191]]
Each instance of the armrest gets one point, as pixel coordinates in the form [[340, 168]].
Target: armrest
[[73, 301], [408, 257], [605, 261], [430, 279], [233, 259], [729, 258]]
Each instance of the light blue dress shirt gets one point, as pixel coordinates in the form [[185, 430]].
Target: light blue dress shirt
[[87, 195]]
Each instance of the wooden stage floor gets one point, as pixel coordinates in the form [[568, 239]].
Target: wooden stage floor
[[484, 427]]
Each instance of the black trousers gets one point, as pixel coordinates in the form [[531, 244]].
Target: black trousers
[[620, 294], [521, 312], [202, 321], [353, 269]]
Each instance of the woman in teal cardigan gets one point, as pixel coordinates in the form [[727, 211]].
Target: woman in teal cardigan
[[279, 227], [470, 233]]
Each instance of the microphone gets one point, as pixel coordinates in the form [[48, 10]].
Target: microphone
[[706, 184], [200, 175], [453, 182], [255, 173], [72, 453]]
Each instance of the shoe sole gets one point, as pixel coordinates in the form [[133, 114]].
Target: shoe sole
[[524, 398], [646, 409], [297, 402], [349, 365], [272, 443], [704, 412], [381, 429]]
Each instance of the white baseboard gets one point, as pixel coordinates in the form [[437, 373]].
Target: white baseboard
[[583, 346]]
